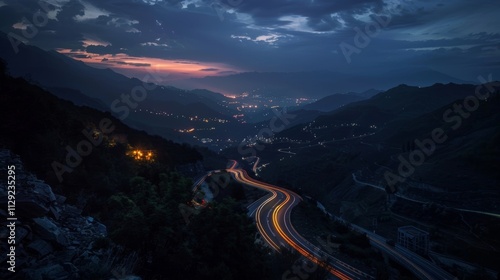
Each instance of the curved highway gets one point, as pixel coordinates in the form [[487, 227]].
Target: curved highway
[[272, 215]]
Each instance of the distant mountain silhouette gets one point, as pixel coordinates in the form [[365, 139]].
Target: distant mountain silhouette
[[50, 70], [42, 126], [75, 81], [399, 103], [316, 84], [380, 138], [78, 98], [334, 101]]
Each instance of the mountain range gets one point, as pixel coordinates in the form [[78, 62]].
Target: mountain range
[[167, 110], [101, 88], [395, 156], [314, 84], [353, 152], [334, 101]]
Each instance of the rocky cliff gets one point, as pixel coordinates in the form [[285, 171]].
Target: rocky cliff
[[52, 239]]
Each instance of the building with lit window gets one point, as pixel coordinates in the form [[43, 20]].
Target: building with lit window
[[141, 155], [414, 239]]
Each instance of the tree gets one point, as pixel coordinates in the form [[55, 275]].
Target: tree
[[130, 226], [225, 238], [237, 191]]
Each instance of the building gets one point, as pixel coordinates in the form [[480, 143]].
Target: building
[[414, 239]]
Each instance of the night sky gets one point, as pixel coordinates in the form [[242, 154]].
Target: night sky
[[195, 38]]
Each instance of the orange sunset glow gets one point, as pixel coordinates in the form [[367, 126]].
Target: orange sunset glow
[[138, 67]]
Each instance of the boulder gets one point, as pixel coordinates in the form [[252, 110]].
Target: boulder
[[54, 241], [55, 271], [21, 233], [60, 199], [48, 230], [71, 210], [43, 191], [56, 213], [41, 247], [69, 267], [101, 229], [30, 207]]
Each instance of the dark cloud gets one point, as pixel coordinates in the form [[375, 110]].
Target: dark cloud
[[120, 62], [227, 72], [79, 56], [273, 35], [314, 9], [325, 23], [102, 49]]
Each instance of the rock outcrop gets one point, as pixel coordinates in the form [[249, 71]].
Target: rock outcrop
[[53, 239]]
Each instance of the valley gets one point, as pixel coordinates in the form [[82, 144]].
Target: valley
[[233, 139]]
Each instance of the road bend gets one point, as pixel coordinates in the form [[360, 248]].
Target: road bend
[[273, 221]]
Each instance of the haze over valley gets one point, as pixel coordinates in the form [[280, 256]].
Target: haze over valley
[[250, 139]]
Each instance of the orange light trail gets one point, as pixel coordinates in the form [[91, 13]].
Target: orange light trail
[[243, 177], [257, 215]]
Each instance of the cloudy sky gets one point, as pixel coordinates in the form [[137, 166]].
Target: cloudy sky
[[194, 38]]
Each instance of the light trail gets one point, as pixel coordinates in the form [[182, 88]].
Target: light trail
[[282, 210], [282, 230]]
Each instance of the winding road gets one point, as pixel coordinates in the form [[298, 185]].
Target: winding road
[[272, 215]]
